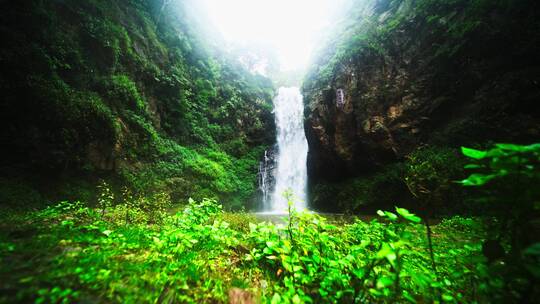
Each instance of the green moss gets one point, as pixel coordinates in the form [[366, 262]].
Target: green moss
[[451, 25], [123, 93]]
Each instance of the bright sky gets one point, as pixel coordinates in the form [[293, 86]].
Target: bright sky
[[291, 27]]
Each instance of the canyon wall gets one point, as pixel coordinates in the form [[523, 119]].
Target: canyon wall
[[399, 75]]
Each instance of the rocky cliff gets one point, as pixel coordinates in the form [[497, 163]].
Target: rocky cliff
[[403, 74], [128, 91]]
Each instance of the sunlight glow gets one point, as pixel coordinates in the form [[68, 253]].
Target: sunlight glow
[[290, 27]]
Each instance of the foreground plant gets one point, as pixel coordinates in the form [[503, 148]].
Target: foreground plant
[[508, 177], [195, 256]]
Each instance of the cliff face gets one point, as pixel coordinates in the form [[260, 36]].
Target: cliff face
[[126, 90], [401, 74]]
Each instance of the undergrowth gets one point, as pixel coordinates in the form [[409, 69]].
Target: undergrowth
[[132, 250], [72, 253]]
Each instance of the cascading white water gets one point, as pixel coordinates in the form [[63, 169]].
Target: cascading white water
[[263, 178], [291, 172]]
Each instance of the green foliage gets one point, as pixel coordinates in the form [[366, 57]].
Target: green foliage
[[430, 175], [95, 257], [315, 261], [145, 208], [122, 94], [239, 220], [203, 173], [379, 190], [503, 162], [500, 266], [444, 33], [197, 256], [106, 197], [507, 177], [12, 191]]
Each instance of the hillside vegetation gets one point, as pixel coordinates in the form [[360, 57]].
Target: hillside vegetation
[[128, 91], [419, 79]]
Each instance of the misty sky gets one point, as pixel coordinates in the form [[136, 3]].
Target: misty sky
[[290, 27]]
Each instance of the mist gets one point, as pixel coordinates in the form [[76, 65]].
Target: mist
[[287, 30]]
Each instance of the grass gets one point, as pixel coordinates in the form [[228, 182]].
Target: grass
[[72, 253]]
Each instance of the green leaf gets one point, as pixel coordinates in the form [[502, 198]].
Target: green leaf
[[407, 215], [286, 265], [386, 252], [276, 299], [359, 273], [533, 250], [384, 282], [473, 166], [391, 216], [478, 179], [511, 147], [447, 297], [375, 292], [473, 153], [408, 297], [26, 280], [252, 227]]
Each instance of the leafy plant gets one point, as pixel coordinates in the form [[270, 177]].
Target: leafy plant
[[429, 175], [508, 176], [196, 256], [106, 197]]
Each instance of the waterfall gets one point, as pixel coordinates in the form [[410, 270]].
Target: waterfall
[[292, 148], [264, 179]]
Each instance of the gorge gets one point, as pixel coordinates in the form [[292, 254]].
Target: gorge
[[270, 151]]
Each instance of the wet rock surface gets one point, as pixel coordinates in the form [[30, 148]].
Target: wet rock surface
[[379, 104]]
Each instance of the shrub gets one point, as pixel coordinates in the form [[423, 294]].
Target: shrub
[[123, 93], [508, 176], [430, 175], [363, 194]]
